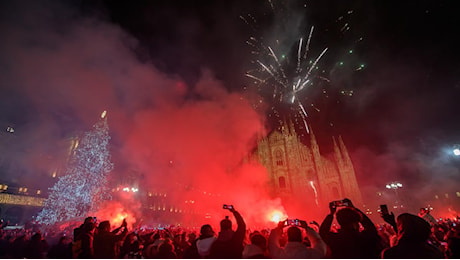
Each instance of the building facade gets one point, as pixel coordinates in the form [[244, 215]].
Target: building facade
[[296, 170]]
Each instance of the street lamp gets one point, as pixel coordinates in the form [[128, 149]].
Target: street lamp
[[456, 151], [395, 186]]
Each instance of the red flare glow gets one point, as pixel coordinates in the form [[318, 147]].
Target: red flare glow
[[277, 216], [115, 213]]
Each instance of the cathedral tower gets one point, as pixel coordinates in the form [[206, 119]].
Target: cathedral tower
[[296, 170]]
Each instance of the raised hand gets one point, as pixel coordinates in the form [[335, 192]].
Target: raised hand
[[332, 207], [230, 208], [282, 224], [303, 223], [348, 201]]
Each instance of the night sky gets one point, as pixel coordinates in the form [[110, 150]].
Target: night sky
[[405, 94], [59, 60]]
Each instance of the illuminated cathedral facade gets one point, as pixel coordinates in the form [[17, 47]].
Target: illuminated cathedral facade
[[296, 170]]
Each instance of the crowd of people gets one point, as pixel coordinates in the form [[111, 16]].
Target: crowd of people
[[356, 236]]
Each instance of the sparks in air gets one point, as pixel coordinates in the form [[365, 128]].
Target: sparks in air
[[289, 69], [273, 72]]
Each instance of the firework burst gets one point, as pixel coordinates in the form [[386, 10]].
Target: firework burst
[[285, 68]]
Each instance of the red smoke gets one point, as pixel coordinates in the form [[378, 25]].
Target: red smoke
[[188, 141], [115, 212]]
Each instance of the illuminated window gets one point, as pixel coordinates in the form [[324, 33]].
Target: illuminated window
[[446, 195], [436, 196], [39, 192], [54, 174], [458, 194]]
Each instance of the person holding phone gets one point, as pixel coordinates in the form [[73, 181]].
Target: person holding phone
[[350, 241], [229, 243], [388, 217], [413, 235], [295, 248], [105, 241]]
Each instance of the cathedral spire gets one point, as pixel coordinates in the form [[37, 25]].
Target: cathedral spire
[[315, 148], [313, 142], [345, 155], [338, 154], [347, 174], [291, 127], [284, 127]]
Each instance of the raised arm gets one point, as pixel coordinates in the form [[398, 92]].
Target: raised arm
[[325, 227], [390, 219], [367, 223], [316, 242], [241, 225], [274, 241]]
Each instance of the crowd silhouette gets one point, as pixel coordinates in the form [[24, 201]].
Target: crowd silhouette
[[356, 236]]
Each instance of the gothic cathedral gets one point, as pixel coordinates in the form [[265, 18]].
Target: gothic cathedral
[[296, 170]]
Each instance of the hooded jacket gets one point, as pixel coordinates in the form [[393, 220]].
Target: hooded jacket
[[204, 246]]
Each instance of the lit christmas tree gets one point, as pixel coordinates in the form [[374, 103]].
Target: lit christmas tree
[[84, 186]]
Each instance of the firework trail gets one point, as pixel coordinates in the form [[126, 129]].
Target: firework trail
[[273, 72], [282, 85], [286, 82], [316, 193]]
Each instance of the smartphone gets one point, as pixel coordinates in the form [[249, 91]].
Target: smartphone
[[384, 209], [341, 203], [291, 222], [228, 206]]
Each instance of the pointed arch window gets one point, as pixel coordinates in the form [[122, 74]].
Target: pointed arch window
[[279, 157], [282, 182]]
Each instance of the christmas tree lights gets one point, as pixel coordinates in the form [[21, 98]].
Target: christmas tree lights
[[84, 186]]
